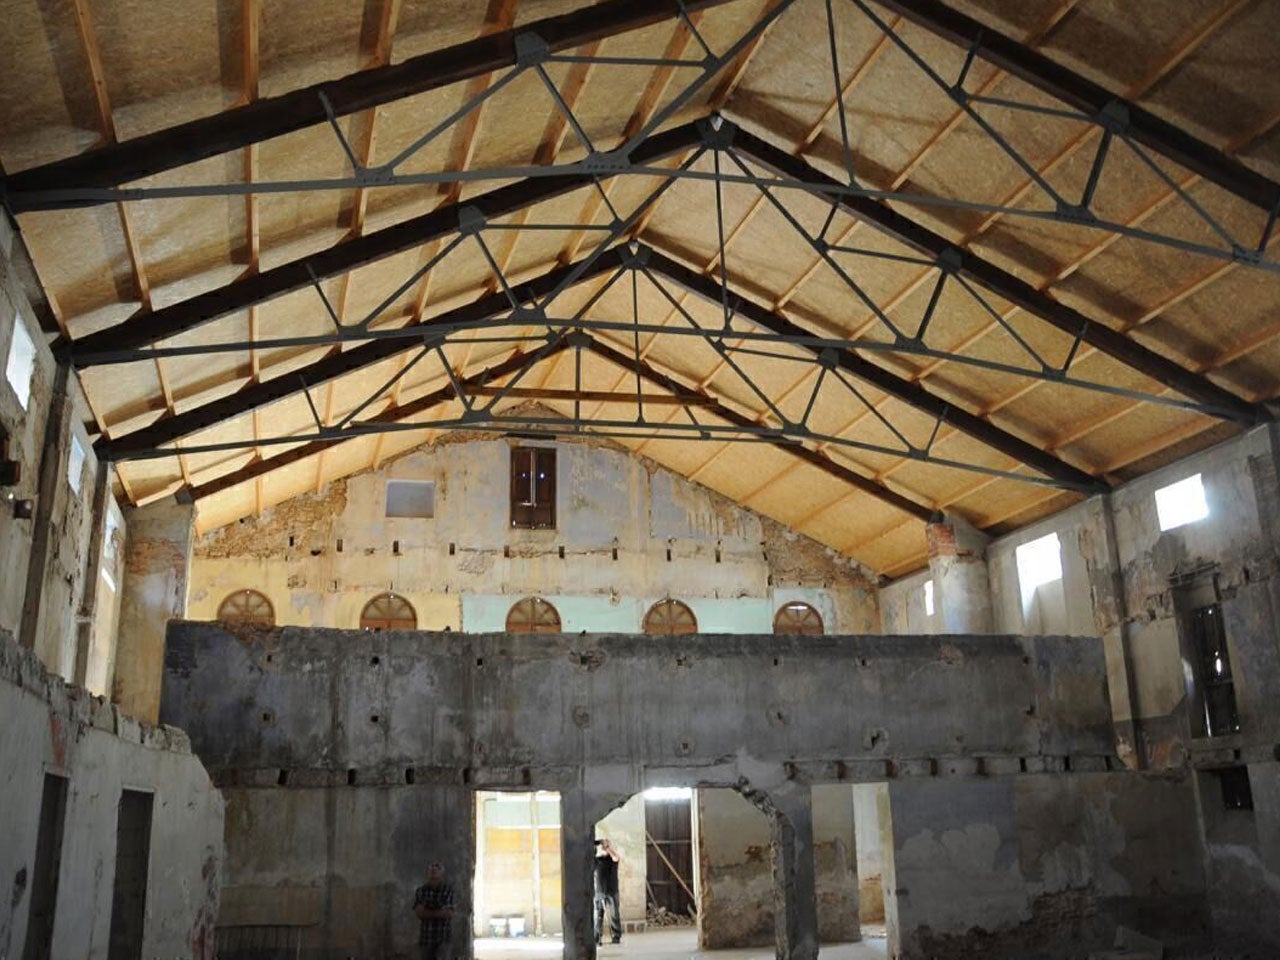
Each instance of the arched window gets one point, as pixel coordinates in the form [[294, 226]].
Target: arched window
[[670, 618], [797, 617], [388, 611], [247, 606], [533, 615]]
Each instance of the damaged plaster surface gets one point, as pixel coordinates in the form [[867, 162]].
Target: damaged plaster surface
[[628, 534], [53, 729]]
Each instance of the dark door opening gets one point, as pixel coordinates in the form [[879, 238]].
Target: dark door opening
[[129, 896], [44, 880]]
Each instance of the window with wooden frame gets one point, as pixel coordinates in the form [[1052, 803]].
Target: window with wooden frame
[[533, 487], [670, 618], [247, 606], [533, 615], [798, 618], [388, 611]]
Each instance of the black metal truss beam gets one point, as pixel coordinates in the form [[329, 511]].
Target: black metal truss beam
[[909, 393], [146, 328], [813, 457], [1092, 99], [271, 117], [173, 428], [999, 281], [399, 414]]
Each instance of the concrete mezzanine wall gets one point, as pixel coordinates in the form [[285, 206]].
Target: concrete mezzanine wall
[[65, 609], [53, 728], [631, 534]]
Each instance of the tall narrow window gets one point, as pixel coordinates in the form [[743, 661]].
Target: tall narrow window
[[388, 611], [670, 618], [21, 362], [1213, 670], [797, 618], [928, 598], [44, 876], [533, 615], [533, 487], [247, 606], [129, 894], [1039, 562], [75, 464]]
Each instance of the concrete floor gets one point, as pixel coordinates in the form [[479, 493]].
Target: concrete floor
[[662, 945]]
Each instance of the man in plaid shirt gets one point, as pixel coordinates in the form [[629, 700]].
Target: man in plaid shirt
[[433, 903]]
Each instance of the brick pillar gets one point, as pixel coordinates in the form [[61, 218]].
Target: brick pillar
[[961, 587]]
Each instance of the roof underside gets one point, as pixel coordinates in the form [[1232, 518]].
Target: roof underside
[[859, 299]]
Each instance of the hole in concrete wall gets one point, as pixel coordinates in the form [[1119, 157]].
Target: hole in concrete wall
[[408, 775], [268, 716], [453, 548], [291, 541], [1066, 764], [316, 551], [375, 660], [506, 552], [776, 661], [1022, 764], [395, 547], [561, 551], [615, 553], [373, 718], [270, 657], [479, 661], [1237, 793], [717, 554], [668, 554], [351, 777], [339, 545], [283, 778]]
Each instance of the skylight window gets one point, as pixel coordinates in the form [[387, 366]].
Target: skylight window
[[1039, 562], [21, 363], [1181, 503], [75, 465], [928, 598], [668, 793]]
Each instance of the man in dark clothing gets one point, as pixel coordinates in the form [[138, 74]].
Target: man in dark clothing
[[433, 904], [607, 891]]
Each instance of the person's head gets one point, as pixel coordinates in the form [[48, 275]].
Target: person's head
[[435, 872]]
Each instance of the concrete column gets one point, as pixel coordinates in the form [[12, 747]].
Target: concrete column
[[794, 885], [1111, 612], [44, 531], [580, 810], [961, 587], [156, 572]]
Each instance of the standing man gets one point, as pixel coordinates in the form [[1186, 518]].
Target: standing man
[[607, 891], [433, 903]]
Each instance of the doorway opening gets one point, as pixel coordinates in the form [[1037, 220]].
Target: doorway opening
[[517, 886]]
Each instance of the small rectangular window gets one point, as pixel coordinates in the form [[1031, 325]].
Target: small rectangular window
[[75, 464], [1213, 671], [1181, 503], [533, 487], [411, 498], [1039, 562], [21, 363], [928, 598]]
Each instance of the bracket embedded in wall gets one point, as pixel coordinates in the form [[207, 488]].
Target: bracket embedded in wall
[[24, 509]]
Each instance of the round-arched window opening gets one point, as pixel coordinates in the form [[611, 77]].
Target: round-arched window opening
[[388, 611], [247, 606], [670, 618], [533, 615], [798, 618]]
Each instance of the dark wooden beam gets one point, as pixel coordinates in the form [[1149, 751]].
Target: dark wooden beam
[[594, 396], [264, 119], [824, 463], [147, 327], [423, 404], [1092, 99], [1002, 283], [912, 394], [259, 394]]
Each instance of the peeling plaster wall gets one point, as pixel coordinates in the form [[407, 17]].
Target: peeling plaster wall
[[455, 568], [51, 727], [53, 600], [1043, 866], [1126, 581]]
